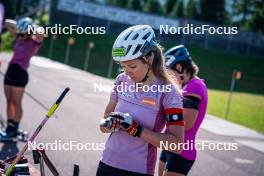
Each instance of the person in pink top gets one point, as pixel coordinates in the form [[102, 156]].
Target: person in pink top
[[16, 76], [194, 90]]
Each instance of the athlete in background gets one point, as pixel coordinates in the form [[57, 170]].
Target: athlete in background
[[181, 65], [16, 77]]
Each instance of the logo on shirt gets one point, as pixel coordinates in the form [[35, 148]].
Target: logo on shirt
[[125, 94], [149, 101]]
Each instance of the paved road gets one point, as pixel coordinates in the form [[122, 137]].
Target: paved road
[[77, 120]]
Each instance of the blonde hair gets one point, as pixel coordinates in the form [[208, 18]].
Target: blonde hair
[[159, 70]]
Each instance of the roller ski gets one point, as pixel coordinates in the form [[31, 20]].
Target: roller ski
[[10, 133], [20, 135]]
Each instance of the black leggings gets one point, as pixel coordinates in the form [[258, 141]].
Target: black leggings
[[175, 162], [106, 170]]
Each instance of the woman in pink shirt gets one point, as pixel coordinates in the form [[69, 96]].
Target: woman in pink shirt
[[16, 77], [195, 98], [135, 118]]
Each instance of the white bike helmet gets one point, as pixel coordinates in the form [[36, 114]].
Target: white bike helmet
[[23, 24], [134, 42]]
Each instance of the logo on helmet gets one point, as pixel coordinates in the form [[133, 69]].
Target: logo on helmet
[[117, 52]]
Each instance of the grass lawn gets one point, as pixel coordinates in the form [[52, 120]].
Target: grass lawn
[[246, 109]]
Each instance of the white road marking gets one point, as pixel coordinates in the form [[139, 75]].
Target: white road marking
[[243, 161]]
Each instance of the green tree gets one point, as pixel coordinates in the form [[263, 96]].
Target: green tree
[[243, 8], [10, 8], [256, 22], [24, 6], [168, 6], [213, 11], [178, 9], [192, 10], [121, 3], [110, 2], [153, 6], [118, 3], [134, 4], [251, 13]]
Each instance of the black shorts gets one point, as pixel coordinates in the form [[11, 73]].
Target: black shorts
[[106, 170], [175, 162], [16, 76]]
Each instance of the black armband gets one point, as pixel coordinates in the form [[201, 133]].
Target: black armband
[[174, 116], [191, 102]]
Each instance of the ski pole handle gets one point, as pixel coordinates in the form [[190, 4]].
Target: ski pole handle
[[57, 103]]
